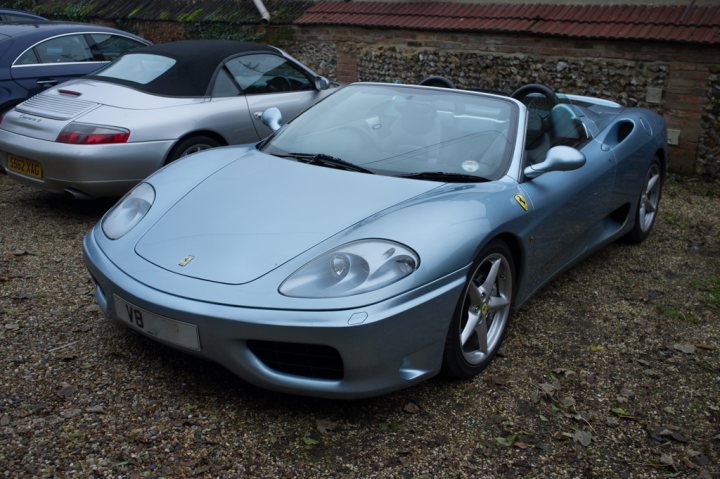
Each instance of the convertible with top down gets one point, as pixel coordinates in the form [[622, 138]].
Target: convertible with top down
[[383, 236]]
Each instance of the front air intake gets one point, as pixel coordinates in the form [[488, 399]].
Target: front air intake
[[309, 360]]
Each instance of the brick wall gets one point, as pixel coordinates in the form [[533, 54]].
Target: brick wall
[[621, 71]]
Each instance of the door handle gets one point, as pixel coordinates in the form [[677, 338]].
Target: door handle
[[47, 82]]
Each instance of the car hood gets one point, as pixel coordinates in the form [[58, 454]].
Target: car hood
[[261, 211], [86, 95]]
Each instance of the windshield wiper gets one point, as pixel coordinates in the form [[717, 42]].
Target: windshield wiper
[[445, 176], [326, 160]]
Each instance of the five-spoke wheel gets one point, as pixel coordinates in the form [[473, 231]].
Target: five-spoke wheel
[[482, 314], [648, 204]]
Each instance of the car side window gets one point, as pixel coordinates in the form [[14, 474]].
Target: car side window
[[264, 73], [224, 85], [108, 47], [65, 49]]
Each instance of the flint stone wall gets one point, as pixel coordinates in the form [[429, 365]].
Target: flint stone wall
[[624, 81], [318, 55], [708, 159]]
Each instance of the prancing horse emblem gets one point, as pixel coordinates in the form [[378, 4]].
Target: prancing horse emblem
[[521, 201], [186, 260]]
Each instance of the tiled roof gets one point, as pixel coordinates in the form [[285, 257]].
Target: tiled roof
[[231, 11], [698, 24]]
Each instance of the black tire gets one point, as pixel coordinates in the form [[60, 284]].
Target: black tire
[[648, 204], [191, 145], [465, 359]]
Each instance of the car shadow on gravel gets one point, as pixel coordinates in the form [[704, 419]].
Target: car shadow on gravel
[[57, 205]]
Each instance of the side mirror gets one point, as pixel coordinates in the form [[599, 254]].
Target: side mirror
[[558, 158], [272, 118], [321, 83]]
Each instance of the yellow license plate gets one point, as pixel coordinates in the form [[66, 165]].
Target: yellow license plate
[[24, 166]]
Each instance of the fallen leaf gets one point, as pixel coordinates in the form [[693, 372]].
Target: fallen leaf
[[95, 409], [4, 420], [622, 413], [667, 459], [66, 391], [521, 445], [69, 413], [12, 326], [567, 402], [596, 348], [499, 380], [507, 440], [628, 393], [707, 347], [325, 426], [582, 437], [564, 372], [684, 348], [411, 408], [550, 388], [308, 441], [661, 433]]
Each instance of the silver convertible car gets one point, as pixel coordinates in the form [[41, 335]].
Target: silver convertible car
[[100, 135], [383, 236]]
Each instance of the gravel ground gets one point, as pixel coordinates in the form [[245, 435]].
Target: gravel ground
[[611, 371]]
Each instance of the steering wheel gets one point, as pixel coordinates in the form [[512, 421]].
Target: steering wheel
[[437, 81], [539, 99], [279, 83]]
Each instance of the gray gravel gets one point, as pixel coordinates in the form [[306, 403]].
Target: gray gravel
[[611, 371]]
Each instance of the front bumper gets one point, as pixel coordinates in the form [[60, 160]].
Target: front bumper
[[85, 170], [384, 346]]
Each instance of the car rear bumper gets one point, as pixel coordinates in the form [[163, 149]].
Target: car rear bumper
[[84, 170], [382, 347]]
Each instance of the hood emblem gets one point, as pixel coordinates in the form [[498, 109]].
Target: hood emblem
[[186, 260], [521, 201]]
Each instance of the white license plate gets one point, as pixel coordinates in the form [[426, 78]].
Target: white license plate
[[167, 329]]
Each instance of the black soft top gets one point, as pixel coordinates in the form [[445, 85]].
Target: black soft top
[[197, 61]]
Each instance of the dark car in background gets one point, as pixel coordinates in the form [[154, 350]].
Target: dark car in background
[[10, 15], [40, 54]]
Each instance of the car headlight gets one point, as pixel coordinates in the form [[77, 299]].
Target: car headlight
[[354, 268], [128, 211]]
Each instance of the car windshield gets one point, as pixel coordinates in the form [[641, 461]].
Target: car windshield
[[140, 68], [405, 131]]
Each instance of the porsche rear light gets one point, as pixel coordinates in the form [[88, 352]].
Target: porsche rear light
[[83, 134]]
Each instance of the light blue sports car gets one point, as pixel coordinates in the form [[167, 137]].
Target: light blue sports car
[[381, 237]]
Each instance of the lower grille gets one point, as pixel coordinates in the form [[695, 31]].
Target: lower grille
[[310, 360]]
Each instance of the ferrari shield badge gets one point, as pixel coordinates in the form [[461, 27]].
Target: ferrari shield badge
[[521, 201], [186, 260]]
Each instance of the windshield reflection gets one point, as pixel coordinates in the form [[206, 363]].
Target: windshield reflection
[[404, 130]]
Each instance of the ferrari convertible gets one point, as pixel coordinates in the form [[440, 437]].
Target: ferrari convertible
[[382, 237], [102, 134]]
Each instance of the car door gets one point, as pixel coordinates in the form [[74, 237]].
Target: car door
[[269, 80], [64, 57], [231, 116], [53, 61], [570, 209]]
